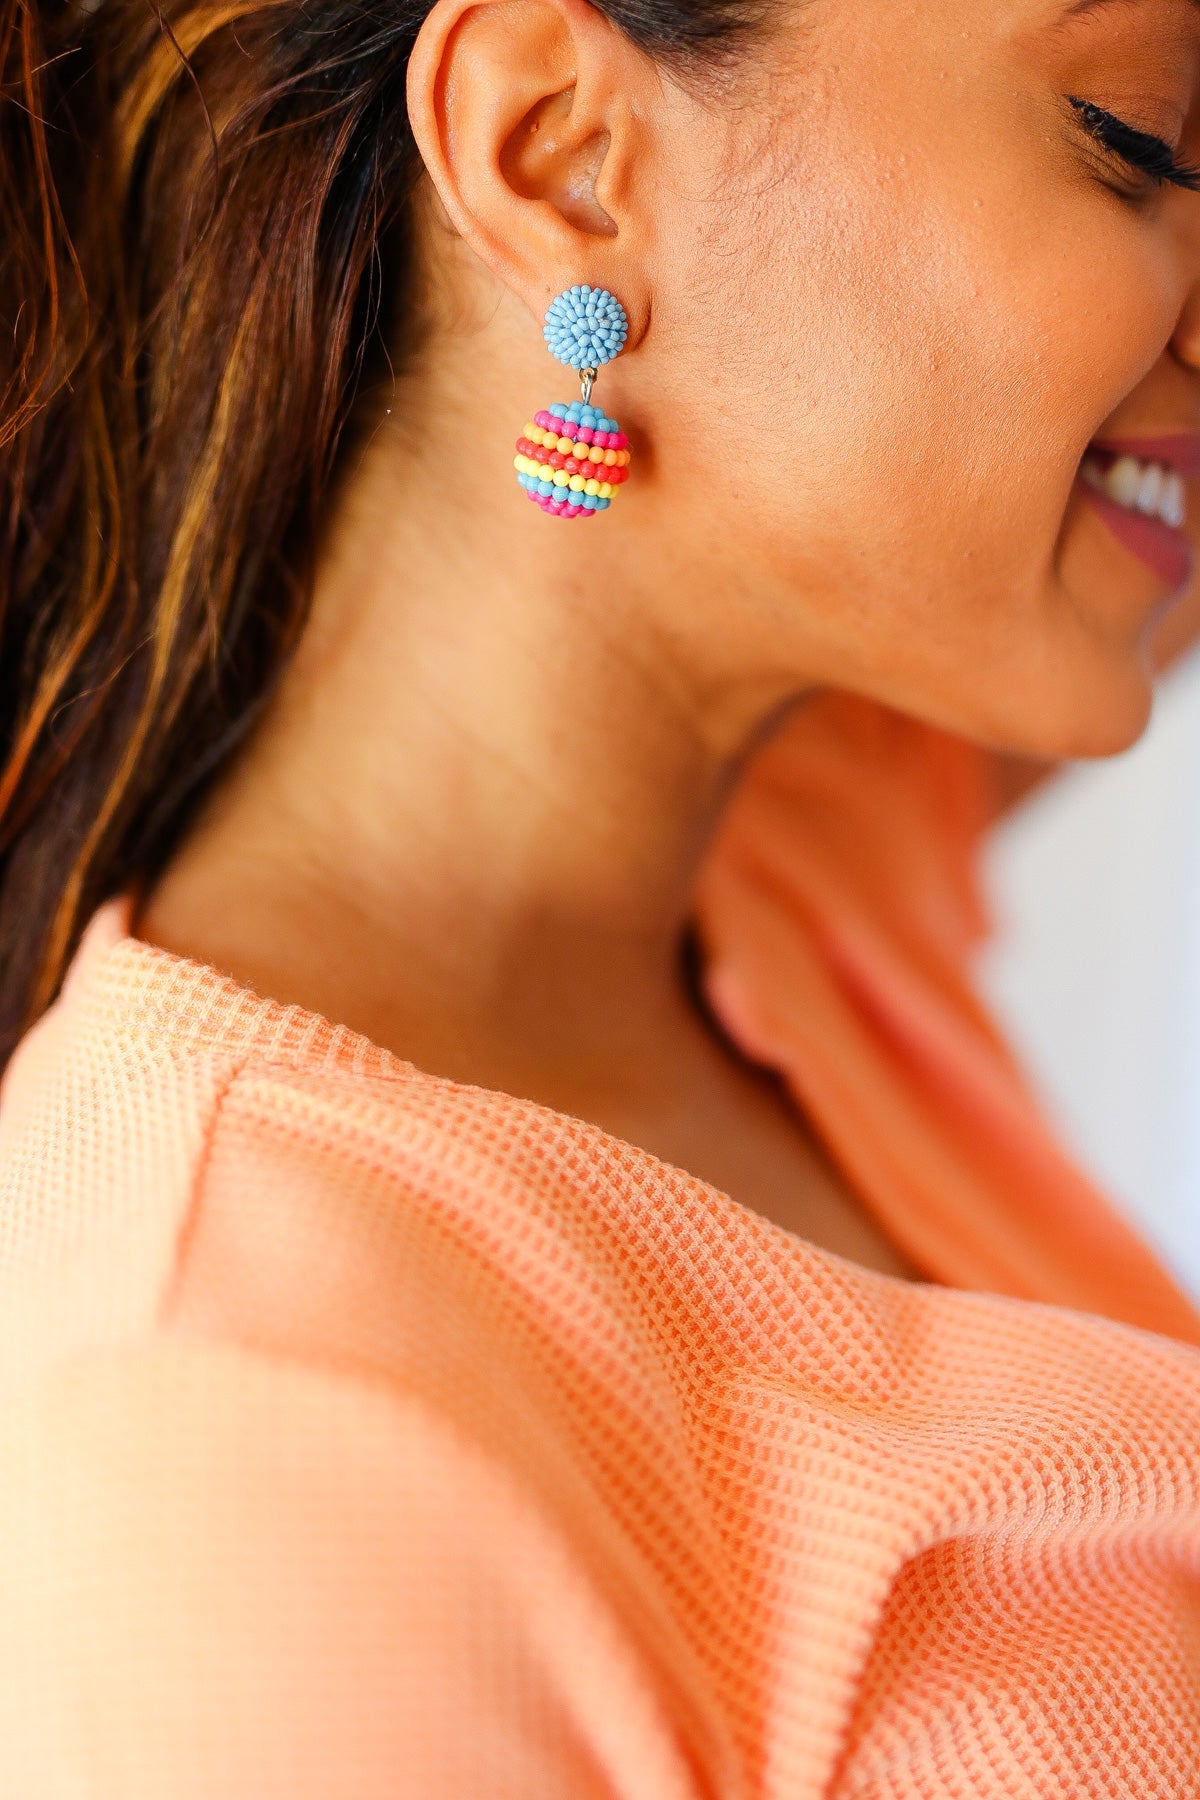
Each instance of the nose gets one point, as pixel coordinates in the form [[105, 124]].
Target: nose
[[1186, 342]]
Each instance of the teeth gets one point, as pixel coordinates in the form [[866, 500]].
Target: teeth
[[1124, 482], [1150, 492], [1172, 507], [1147, 488]]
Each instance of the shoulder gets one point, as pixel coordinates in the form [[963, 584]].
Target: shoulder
[[224, 1574]]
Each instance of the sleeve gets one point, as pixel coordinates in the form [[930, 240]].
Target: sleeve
[[226, 1576]]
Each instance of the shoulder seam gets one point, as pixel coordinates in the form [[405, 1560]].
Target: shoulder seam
[[187, 1223]]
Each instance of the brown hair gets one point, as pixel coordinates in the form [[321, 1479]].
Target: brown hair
[[203, 210]]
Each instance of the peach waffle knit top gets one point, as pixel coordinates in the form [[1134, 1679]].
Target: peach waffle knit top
[[366, 1435]]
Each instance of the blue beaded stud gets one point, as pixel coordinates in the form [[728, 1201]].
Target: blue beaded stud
[[586, 327]]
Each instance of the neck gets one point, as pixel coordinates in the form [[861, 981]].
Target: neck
[[471, 824]]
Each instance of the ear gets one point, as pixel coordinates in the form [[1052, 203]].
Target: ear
[[534, 120]]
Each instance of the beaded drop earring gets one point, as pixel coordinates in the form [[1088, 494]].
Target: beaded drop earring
[[571, 460]]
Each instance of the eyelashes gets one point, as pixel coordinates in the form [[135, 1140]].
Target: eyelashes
[[1139, 149]]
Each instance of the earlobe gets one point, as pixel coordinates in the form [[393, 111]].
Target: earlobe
[[522, 113]]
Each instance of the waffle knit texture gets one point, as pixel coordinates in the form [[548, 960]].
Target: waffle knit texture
[[364, 1434]]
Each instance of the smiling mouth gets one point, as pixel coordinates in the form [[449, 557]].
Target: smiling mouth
[[1138, 488]]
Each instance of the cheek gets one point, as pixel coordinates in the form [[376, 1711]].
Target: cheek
[[930, 356], [902, 371]]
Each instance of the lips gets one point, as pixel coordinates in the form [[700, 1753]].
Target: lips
[[1179, 451], [1169, 553], [1162, 548]]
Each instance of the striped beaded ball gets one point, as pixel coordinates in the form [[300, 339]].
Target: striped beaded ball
[[586, 327], [572, 461]]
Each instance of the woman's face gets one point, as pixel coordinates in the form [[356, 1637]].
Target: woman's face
[[931, 348]]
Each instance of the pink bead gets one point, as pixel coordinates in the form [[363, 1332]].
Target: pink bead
[[544, 420], [569, 430], [618, 441], [586, 435]]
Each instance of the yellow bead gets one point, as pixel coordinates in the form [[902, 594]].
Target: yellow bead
[[596, 454], [607, 490], [561, 478], [577, 484], [543, 471], [519, 463], [533, 433], [565, 446], [591, 487]]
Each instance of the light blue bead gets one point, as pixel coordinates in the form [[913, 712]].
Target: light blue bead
[[586, 327], [545, 489], [602, 505], [559, 410]]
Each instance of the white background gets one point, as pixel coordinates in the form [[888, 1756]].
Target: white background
[[1096, 969]]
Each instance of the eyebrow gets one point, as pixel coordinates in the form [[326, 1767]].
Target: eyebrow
[[1098, 6], [1081, 7]]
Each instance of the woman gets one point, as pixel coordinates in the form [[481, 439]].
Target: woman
[[387, 1410]]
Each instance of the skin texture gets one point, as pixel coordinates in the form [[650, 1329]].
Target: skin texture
[[883, 293]]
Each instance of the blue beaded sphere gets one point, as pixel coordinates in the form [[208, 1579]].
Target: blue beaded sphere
[[586, 327]]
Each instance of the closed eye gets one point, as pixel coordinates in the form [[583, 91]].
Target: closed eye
[[1140, 149]]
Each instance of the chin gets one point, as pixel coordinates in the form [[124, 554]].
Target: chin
[[1086, 721]]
